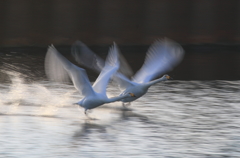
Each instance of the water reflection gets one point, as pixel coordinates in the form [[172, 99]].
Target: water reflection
[[89, 127], [174, 119], [127, 114]]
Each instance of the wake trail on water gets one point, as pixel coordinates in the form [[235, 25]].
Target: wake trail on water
[[24, 96], [48, 97]]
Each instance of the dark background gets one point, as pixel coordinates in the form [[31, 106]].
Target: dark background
[[40, 22], [208, 30]]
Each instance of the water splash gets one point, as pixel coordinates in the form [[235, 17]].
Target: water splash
[[15, 94], [47, 98]]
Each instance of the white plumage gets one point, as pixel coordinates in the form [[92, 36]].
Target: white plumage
[[162, 56], [58, 68]]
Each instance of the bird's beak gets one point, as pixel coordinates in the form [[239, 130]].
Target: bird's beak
[[132, 95], [169, 78]]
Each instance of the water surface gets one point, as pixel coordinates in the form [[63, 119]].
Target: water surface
[[179, 119], [175, 119]]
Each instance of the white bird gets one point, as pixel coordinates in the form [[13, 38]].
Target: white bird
[[162, 56], [58, 68]]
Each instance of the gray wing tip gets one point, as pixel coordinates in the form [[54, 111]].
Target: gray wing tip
[[114, 45], [51, 48], [113, 55], [78, 42], [166, 42]]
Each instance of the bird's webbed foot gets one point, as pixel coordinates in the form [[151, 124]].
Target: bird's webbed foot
[[86, 112]]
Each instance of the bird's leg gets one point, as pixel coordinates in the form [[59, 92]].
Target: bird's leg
[[85, 112], [126, 104]]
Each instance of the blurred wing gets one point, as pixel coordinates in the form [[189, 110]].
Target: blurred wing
[[54, 68], [111, 66], [124, 72], [123, 81], [84, 56], [124, 67], [57, 65], [161, 57]]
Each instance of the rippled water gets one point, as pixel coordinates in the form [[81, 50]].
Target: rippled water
[[174, 119]]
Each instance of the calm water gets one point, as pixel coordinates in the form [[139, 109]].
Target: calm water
[[195, 119]]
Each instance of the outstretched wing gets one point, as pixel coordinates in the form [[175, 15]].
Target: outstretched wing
[[84, 56], [111, 67], [54, 68], [123, 81], [161, 57], [58, 68]]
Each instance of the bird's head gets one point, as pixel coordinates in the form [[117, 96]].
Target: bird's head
[[132, 94], [168, 77]]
